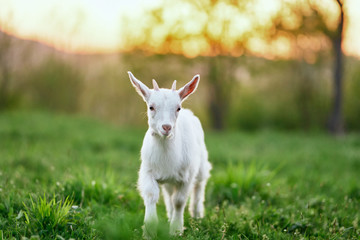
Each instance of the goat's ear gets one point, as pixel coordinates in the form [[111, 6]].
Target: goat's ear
[[141, 88], [189, 88]]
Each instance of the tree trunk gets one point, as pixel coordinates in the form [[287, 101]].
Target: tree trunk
[[4, 85], [336, 124], [217, 111], [217, 115], [5, 41]]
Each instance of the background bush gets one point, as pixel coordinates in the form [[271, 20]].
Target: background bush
[[256, 93], [54, 85]]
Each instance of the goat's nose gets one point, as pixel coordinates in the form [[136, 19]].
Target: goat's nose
[[166, 127]]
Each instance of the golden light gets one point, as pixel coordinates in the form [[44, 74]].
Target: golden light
[[88, 26]]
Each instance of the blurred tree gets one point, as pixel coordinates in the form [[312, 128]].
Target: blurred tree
[[221, 40], [299, 29], [310, 20], [193, 28], [336, 124], [5, 43]]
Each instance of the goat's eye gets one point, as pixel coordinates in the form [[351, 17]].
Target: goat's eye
[[178, 109], [151, 108]]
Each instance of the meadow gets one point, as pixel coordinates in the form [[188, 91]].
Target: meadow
[[65, 177]]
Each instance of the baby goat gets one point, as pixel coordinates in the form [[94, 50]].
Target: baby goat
[[173, 156]]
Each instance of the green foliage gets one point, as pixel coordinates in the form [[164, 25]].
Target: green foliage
[[246, 93], [238, 182], [46, 216], [54, 85], [248, 112], [122, 225], [51, 218], [352, 99], [264, 184], [282, 95], [84, 189]]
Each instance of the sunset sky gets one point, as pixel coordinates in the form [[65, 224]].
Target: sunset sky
[[95, 26]]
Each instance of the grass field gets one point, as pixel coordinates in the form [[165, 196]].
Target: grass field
[[67, 177]]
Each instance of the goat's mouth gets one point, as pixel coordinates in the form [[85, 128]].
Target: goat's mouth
[[166, 134]]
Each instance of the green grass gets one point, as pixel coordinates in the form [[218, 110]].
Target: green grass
[[47, 217], [67, 177]]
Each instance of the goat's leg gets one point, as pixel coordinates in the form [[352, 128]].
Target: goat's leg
[[197, 199], [179, 198], [150, 191], [167, 192]]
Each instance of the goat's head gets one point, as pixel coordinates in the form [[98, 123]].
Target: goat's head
[[164, 105]]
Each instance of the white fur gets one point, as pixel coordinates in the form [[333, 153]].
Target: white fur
[[176, 160]]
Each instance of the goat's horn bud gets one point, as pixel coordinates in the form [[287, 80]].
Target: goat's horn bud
[[155, 85], [173, 86]]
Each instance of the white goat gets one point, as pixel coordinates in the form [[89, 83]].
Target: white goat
[[173, 155]]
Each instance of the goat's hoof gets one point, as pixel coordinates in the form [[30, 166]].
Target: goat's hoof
[[199, 215], [149, 231], [176, 230], [176, 233]]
